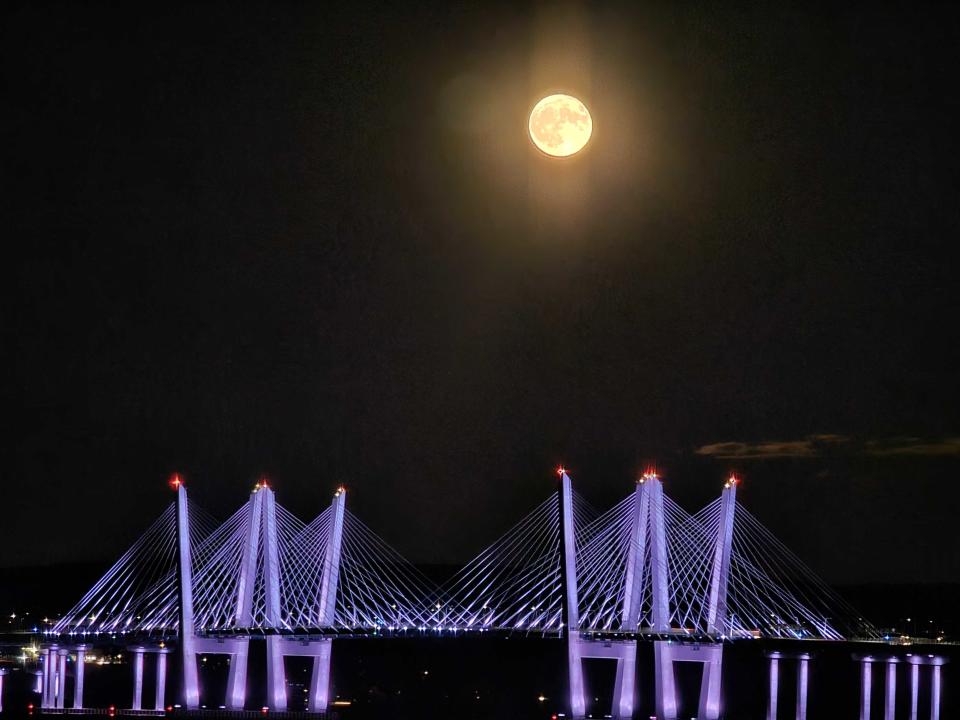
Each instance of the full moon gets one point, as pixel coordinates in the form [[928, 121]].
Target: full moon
[[560, 125]]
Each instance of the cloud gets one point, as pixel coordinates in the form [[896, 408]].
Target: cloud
[[810, 446], [913, 446], [830, 444]]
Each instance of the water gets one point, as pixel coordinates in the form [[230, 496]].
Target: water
[[500, 677]]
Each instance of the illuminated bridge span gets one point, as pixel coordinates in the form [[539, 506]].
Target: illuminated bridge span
[[643, 570]]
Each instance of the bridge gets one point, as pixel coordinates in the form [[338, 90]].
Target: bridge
[[643, 571]]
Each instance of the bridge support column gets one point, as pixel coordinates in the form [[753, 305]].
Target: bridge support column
[[624, 688], [237, 676], [666, 691], [935, 663], [625, 654], [666, 653], [710, 685], [2, 673], [50, 678], [276, 677], [890, 690], [78, 677], [46, 682], [578, 706], [137, 678], [320, 652], [188, 650], [161, 690], [914, 690], [319, 696], [774, 687], [62, 678], [935, 693], [803, 677], [866, 669], [38, 679]]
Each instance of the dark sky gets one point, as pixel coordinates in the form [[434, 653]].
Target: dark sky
[[317, 244]]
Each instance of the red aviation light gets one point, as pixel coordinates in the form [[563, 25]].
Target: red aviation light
[[561, 471], [732, 481], [650, 474], [175, 481]]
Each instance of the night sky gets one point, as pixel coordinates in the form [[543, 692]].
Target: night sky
[[317, 244]]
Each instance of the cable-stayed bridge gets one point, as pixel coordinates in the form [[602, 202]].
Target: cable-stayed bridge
[[644, 570]]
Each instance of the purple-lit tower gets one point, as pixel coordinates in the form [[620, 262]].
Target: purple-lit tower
[[648, 494], [261, 542], [188, 649], [571, 601], [667, 652], [648, 524], [326, 613]]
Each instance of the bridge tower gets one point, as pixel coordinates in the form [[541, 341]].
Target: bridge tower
[[624, 689], [718, 622], [279, 647], [262, 510], [188, 649], [243, 615], [260, 542], [260, 562], [318, 648], [276, 677], [571, 601], [326, 612], [624, 652], [666, 652]]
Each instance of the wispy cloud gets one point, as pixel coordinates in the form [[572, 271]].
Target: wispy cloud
[[913, 446], [827, 444]]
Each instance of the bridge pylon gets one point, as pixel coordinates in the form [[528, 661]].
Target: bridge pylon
[[192, 644], [188, 648], [319, 695], [260, 568], [571, 602], [718, 618], [237, 648], [666, 652], [237, 678], [318, 648], [624, 652]]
